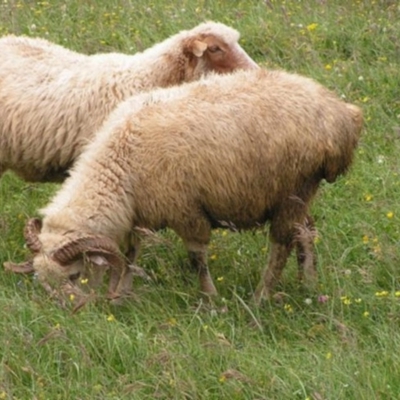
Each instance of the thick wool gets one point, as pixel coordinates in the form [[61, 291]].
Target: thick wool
[[53, 100], [236, 150]]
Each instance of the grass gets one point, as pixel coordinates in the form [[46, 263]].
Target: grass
[[339, 342]]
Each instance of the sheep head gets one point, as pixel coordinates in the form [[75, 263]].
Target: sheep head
[[214, 47], [68, 266]]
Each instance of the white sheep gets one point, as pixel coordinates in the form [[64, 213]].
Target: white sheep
[[52, 100], [236, 150]]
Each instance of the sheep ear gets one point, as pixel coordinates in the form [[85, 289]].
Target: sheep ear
[[98, 260], [198, 48]]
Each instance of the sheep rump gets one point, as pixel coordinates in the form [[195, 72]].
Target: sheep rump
[[53, 100], [236, 150]]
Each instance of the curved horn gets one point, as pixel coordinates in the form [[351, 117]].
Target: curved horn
[[73, 250], [31, 232], [25, 267]]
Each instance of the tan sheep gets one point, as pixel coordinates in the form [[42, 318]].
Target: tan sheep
[[236, 150], [52, 100]]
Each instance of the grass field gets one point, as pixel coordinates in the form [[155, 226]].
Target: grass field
[[340, 342]]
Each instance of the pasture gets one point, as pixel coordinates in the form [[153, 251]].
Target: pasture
[[341, 341]]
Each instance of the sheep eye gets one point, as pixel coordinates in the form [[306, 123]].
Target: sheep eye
[[214, 49], [74, 277]]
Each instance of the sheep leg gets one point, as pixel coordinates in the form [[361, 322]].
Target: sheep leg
[[271, 275], [124, 285], [198, 260], [307, 268]]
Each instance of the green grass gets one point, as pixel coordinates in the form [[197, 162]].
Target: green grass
[[166, 345]]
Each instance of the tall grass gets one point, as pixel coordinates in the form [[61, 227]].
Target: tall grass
[[340, 342]]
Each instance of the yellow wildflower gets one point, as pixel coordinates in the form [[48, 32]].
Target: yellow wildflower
[[366, 314], [172, 322], [312, 27], [111, 318], [390, 214], [365, 239], [368, 197], [328, 67], [328, 355], [383, 293], [288, 308], [72, 297], [220, 278], [222, 379], [213, 257]]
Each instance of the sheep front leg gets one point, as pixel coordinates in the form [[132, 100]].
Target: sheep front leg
[[271, 275], [125, 282], [198, 260]]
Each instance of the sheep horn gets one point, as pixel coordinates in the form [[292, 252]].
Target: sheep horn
[[25, 267], [90, 244], [31, 232]]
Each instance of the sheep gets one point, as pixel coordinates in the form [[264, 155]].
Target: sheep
[[236, 150], [53, 100]]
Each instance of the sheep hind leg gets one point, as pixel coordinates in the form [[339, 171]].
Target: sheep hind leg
[[306, 260], [271, 275]]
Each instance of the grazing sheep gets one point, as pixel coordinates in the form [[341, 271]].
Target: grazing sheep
[[236, 150], [52, 100]]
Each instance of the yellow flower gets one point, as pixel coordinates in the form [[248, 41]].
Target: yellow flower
[[172, 322], [366, 314], [110, 318], [390, 214], [72, 297], [220, 278], [365, 239], [214, 257], [328, 355], [222, 379], [328, 67], [358, 301], [368, 197], [383, 293], [84, 281], [288, 308], [397, 293], [3, 395], [224, 233], [312, 27], [365, 99]]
